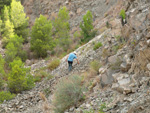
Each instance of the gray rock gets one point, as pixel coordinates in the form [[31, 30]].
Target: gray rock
[[148, 66], [124, 81]]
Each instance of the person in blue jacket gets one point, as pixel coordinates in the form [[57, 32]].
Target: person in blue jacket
[[70, 59]]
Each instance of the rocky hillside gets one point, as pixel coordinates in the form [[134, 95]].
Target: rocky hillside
[[77, 8], [123, 82]]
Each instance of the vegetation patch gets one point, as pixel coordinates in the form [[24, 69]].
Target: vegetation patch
[[54, 64], [19, 78], [87, 28], [6, 96], [68, 92], [95, 65], [123, 14], [97, 45], [40, 75]]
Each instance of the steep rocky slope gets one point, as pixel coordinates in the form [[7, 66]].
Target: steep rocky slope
[[77, 8], [124, 78]]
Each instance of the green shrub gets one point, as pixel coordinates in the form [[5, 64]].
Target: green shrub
[[95, 65], [102, 107], [19, 78], [5, 96], [108, 24], [76, 35], [123, 14], [68, 93], [54, 64], [97, 45], [40, 75]]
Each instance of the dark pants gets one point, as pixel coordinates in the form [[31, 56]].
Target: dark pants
[[70, 65]]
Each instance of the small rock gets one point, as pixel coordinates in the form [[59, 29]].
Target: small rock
[[88, 105], [21, 107], [71, 109], [127, 90], [115, 86], [148, 66], [125, 81], [102, 70]]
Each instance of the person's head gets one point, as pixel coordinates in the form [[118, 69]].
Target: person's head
[[75, 52]]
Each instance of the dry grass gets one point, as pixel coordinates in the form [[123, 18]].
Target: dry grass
[[54, 64], [46, 106], [69, 92], [53, 15]]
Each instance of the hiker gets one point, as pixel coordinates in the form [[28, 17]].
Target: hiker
[[70, 59]]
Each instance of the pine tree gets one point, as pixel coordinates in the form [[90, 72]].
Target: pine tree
[[41, 39], [62, 27], [19, 78], [8, 31], [19, 20], [87, 27]]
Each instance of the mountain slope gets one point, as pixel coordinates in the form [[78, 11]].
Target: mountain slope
[[124, 78]]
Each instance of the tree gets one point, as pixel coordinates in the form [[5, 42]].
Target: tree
[[19, 78], [87, 27], [8, 31], [62, 27], [14, 49], [10, 53], [41, 39], [19, 20]]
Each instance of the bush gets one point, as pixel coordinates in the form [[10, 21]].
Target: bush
[[54, 64], [95, 65], [40, 75], [6, 96], [19, 78], [123, 14], [68, 93], [97, 45]]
